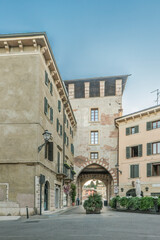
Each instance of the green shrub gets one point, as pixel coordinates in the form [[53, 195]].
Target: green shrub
[[93, 203], [113, 202], [133, 203], [73, 192], [123, 201], [146, 203]]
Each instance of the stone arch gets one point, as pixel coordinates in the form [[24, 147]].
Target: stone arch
[[100, 163]]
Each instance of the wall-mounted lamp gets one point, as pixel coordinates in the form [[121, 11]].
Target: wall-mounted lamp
[[146, 188], [122, 189], [47, 136]]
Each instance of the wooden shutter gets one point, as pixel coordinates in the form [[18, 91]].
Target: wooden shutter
[[128, 152], [128, 131], [46, 78], [149, 169], [149, 149], [50, 151], [57, 125], [136, 129], [140, 150], [73, 149], [131, 171], [149, 126], [51, 115], [136, 171], [51, 88], [59, 105], [45, 105]]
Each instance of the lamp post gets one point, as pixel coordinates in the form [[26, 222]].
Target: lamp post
[[47, 136]]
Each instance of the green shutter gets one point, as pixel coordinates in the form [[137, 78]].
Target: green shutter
[[149, 126], [73, 149], [136, 171], [70, 130], [149, 149], [149, 169], [50, 151], [128, 130], [51, 115], [67, 141], [64, 137], [45, 105], [140, 150], [57, 125], [128, 152], [46, 78], [136, 129], [51, 88], [61, 130], [59, 105], [131, 171], [64, 118], [58, 162]]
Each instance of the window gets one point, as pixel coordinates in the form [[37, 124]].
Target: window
[[94, 114], [94, 137], [59, 105], [51, 88], [49, 151], [153, 169], [46, 78], [72, 148], [135, 151], [58, 162], [94, 155], [132, 130], [48, 109], [153, 148], [134, 171], [153, 125]]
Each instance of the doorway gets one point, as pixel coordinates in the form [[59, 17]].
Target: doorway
[[46, 196]]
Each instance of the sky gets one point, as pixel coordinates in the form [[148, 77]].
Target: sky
[[97, 38]]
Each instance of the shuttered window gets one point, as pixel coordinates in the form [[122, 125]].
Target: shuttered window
[[51, 88], [45, 106], [149, 169], [148, 126], [61, 130], [59, 105], [50, 151], [57, 125], [46, 78], [51, 115], [134, 171], [72, 149], [135, 151], [65, 137], [132, 130], [149, 149], [58, 162]]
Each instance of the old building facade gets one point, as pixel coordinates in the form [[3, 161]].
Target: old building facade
[[139, 151], [33, 99], [96, 103]]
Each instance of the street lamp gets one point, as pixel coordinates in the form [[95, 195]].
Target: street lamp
[[47, 136]]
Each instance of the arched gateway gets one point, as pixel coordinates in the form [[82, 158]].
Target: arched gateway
[[96, 103], [97, 171]]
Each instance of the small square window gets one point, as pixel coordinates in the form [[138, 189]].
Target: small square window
[[94, 155]]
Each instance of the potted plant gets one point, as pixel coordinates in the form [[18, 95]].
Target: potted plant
[[93, 204], [73, 193]]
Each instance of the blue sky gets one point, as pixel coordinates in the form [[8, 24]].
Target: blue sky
[[93, 38]]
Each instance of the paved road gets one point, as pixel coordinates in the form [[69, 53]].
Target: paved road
[[76, 225]]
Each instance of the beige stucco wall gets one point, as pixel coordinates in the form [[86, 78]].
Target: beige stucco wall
[[22, 122]]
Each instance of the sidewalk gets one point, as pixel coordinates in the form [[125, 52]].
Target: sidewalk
[[9, 218]]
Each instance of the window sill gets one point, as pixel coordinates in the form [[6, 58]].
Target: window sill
[[94, 121], [93, 144]]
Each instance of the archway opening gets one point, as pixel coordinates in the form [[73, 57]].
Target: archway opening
[[93, 173], [94, 186]]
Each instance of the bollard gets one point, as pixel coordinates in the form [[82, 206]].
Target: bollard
[[27, 212]]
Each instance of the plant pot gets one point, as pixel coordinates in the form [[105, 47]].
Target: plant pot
[[96, 211], [73, 203]]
